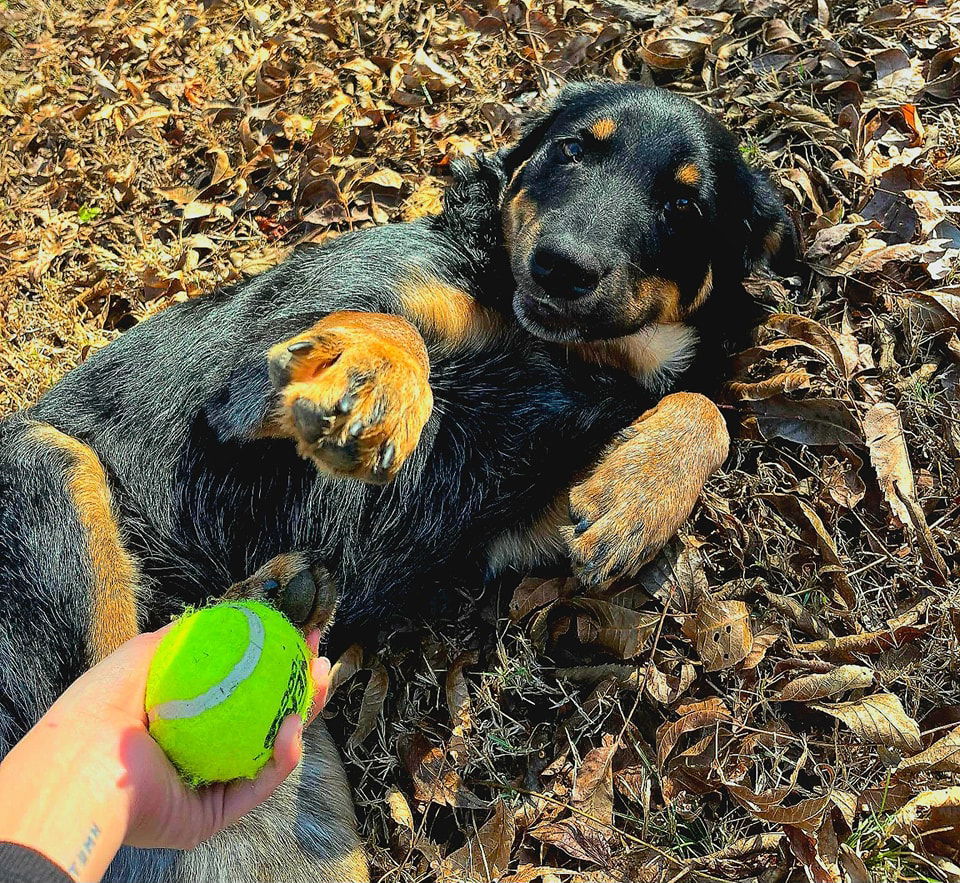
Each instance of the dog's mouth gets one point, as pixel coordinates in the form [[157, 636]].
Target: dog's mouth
[[549, 320], [604, 314]]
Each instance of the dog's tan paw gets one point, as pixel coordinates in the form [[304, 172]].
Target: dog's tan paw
[[300, 589], [644, 487], [354, 393]]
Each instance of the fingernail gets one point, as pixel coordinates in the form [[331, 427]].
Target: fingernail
[[324, 665]]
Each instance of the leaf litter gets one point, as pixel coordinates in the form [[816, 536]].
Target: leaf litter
[[776, 697]]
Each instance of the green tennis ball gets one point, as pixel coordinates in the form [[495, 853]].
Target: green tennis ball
[[221, 683]]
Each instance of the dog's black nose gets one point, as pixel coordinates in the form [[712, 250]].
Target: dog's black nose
[[563, 270]]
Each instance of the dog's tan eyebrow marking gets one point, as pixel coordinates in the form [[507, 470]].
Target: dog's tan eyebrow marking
[[603, 128], [688, 174]]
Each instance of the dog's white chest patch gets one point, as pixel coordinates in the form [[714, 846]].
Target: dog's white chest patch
[[654, 356], [658, 354]]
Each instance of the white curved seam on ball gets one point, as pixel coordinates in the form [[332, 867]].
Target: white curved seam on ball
[[175, 709]]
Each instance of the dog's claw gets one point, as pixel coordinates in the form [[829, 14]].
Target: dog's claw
[[301, 346], [387, 455], [345, 405], [355, 429], [343, 456], [582, 527]]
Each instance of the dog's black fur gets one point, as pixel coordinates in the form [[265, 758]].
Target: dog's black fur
[[580, 231]]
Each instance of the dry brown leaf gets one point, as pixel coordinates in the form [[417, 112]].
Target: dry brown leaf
[[385, 178], [347, 665], [619, 629], [888, 454], [818, 337], [586, 845], [880, 719], [486, 855], [763, 640], [841, 477], [405, 831], [458, 693], [593, 787], [534, 593], [806, 844], [784, 382], [435, 777], [371, 706], [768, 806], [667, 689], [816, 422], [815, 532], [847, 646], [942, 756], [817, 686], [400, 810], [933, 816], [723, 633], [693, 716]]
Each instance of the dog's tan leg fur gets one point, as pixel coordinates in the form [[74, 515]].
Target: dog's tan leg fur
[[645, 486], [115, 576]]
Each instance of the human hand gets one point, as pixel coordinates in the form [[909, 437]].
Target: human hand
[[89, 777]]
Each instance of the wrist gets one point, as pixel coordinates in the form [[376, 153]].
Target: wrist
[[65, 795]]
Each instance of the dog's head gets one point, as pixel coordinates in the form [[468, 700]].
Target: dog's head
[[629, 207]]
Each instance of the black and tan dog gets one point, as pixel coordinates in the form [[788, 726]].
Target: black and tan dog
[[403, 405]]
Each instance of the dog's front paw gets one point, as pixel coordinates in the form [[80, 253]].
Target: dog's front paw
[[354, 393], [298, 587], [644, 487]]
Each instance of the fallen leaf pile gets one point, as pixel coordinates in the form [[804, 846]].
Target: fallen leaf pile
[[777, 696]]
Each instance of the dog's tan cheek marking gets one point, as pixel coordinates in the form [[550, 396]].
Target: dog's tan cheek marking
[[706, 287], [661, 293], [603, 129], [519, 211], [446, 313], [688, 174], [520, 225], [116, 577]]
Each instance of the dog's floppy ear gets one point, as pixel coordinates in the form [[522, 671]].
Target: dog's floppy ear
[[534, 126], [769, 234]]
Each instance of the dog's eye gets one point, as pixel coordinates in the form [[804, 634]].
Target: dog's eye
[[682, 207], [572, 150]]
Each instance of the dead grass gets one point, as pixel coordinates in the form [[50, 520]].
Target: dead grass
[[151, 151]]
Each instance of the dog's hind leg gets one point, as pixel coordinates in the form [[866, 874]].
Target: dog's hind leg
[[68, 586]]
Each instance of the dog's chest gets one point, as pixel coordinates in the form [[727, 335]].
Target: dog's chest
[[654, 356]]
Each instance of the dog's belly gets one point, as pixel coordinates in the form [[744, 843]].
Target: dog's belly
[[485, 492]]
